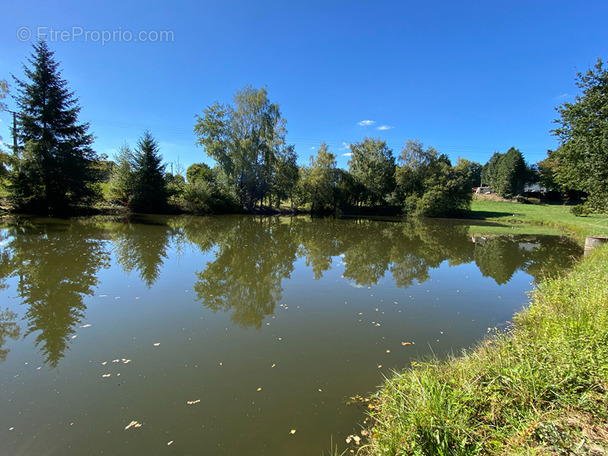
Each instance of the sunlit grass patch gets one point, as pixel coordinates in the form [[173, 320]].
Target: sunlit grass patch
[[541, 388]]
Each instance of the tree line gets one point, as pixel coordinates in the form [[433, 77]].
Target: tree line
[[54, 169]]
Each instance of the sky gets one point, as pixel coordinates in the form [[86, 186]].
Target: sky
[[468, 78]]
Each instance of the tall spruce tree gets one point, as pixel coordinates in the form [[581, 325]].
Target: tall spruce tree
[[149, 191], [54, 169]]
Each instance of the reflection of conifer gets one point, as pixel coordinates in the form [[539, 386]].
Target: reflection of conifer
[[56, 269], [8, 329], [143, 248]]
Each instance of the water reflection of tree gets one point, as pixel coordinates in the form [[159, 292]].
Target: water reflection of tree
[[500, 257], [142, 247], [56, 266], [249, 267], [8, 329]]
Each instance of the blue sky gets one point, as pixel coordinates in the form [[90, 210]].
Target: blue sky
[[468, 78]]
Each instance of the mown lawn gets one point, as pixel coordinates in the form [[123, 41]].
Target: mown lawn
[[552, 215]]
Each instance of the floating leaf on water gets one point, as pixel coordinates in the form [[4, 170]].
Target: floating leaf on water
[[260, 389], [221, 364], [115, 360], [379, 366], [169, 442], [292, 432], [193, 402], [86, 326], [320, 390], [406, 343], [132, 424], [74, 336], [106, 375], [272, 366], [104, 363], [156, 344], [388, 351]]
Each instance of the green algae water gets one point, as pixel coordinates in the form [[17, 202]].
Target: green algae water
[[235, 335]]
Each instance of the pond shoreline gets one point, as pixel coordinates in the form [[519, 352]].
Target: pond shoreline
[[540, 386]]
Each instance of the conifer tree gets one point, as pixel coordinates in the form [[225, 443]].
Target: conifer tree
[[55, 165], [149, 192]]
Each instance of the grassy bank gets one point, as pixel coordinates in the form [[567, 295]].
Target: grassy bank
[[540, 389], [552, 215]]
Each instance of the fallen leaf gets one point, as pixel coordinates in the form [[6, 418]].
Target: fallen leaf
[[293, 431], [273, 365], [169, 442], [259, 389], [132, 424], [406, 343]]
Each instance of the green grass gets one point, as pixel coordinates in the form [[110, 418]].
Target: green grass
[[540, 389], [556, 216]]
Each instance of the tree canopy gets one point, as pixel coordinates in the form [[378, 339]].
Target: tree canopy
[[55, 167], [247, 139], [373, 166], [582, 130]]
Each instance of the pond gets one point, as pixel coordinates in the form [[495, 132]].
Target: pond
[[235, 334]]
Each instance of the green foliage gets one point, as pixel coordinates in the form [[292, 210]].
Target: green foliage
[[547, 170], [373, 166], [427, 183], [56, 167], [582, 158], [4, 157], [511, 174], [473, 169], [489, 173], [121, 179], [319, 181], [507, 174], [149, 192], [580, 210], [247, 139], [199, 171]]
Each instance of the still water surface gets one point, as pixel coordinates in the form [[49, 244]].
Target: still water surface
[[223, 335]]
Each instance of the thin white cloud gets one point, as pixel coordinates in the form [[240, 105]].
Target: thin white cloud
[[366, 123], [385, 127], [347, 154], [345, 146], [564, 95]]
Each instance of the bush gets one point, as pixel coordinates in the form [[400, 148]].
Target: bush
[[580, 210]]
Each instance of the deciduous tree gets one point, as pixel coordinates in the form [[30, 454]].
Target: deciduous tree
[[582, 158]]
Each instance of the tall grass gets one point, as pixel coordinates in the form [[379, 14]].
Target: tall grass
[[540, 389]]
